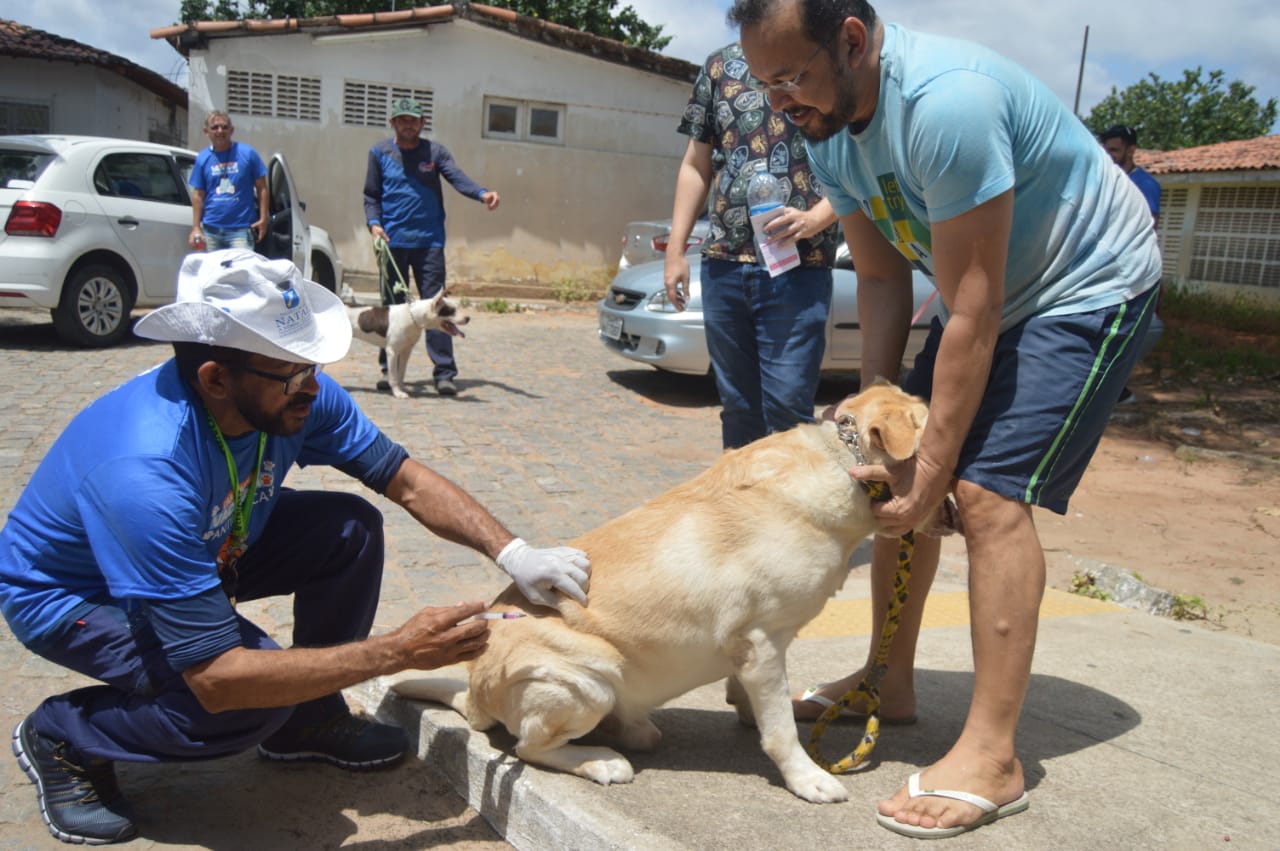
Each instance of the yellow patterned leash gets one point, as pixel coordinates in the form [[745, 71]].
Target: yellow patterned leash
[[869, 688]]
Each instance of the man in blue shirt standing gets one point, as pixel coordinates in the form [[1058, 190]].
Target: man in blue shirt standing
[[163, 503], [1120, 142], [404, 206], [229, 199]]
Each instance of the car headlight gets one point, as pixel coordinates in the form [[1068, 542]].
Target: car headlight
[[659, 303]]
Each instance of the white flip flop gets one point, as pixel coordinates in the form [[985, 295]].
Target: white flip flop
[[990, 812]]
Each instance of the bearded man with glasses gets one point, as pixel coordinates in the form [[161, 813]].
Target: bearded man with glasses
[[941, 155], [163, 504]]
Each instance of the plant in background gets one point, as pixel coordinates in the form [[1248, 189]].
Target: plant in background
[[499, 305], [572, 291], [1188, 607], [1086, 585]]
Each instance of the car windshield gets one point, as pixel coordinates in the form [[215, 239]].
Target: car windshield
[[22, 167]]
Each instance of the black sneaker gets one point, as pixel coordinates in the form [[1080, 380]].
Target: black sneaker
[[346, 741], [445, 387], [79, 802]]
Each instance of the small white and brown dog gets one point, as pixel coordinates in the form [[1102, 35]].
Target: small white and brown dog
[[398, 327]]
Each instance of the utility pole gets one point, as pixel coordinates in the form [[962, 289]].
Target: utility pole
[[1084, 49]]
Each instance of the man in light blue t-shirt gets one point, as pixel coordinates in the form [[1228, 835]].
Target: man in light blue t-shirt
[[941, 155]]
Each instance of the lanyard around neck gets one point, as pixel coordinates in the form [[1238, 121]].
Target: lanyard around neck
[[243, 503]]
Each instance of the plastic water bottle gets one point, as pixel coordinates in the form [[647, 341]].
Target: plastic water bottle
[[764, 192], [766, 199]]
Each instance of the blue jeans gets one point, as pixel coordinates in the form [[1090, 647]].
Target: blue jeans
[[216, 238], [326, 549], [427, 268], [766, 337]]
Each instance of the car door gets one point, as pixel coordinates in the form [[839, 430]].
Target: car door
[[287, 234], [149, 210]]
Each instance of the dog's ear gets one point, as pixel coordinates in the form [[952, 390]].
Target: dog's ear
[[897, 426]]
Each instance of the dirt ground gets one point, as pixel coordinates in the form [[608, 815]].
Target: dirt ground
[[1184, 492]]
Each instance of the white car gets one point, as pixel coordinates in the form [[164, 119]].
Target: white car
[[94, 227]]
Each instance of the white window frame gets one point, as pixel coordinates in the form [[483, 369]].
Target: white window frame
[[524, 110]]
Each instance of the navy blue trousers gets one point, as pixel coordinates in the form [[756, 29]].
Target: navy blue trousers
[[324, 548]]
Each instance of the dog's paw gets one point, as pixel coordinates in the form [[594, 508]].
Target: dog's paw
[[614, 769], [398, 393], [818, 787]]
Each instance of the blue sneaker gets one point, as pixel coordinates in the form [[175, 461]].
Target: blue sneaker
[[346, 741], [80, 801]]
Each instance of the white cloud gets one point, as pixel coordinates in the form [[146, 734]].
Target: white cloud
[[1127, 40]]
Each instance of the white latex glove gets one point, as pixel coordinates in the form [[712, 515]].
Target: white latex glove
[[540, 573]]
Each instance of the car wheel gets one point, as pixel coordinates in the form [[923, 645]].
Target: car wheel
[[94, 308], [322, 271]]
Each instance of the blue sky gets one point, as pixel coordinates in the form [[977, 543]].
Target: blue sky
[[1126, 40]]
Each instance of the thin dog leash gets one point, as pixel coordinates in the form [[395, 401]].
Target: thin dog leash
[[869, 688], [382, 250]]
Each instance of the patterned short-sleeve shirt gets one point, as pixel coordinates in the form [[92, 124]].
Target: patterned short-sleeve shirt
[[736, 120]]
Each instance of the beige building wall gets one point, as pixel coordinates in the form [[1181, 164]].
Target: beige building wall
[[85, 100], [563, 205]]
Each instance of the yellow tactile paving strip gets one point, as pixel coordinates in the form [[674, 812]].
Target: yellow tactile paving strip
[[842, 618]]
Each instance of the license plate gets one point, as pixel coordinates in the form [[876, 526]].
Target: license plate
[[611, 327]]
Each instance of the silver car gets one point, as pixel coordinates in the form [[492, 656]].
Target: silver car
[[95, 227], [647, 240], [638, 322]]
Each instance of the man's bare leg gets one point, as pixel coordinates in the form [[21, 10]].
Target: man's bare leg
[[897, 688], [1006, 585]]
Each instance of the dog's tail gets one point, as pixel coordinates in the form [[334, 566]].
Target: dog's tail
[[450, 691]]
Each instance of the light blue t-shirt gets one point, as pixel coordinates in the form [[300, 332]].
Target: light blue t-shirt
[[134, 499], [956, 125]]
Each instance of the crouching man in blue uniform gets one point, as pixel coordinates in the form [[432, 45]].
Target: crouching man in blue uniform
[[162, 504]]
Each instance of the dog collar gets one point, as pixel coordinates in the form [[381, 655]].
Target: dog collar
[[847, 431]]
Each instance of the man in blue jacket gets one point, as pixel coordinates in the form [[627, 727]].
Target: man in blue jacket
[[404, 206]]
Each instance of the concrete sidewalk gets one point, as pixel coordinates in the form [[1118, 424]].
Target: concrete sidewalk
[[1137, 732]]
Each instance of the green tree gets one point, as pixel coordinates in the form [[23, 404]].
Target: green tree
[[594, 16], [1195, 110]]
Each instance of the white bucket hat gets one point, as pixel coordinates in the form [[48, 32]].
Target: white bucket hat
[[242, 300]]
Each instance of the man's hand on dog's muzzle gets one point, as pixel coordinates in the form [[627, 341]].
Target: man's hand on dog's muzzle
[[912, 503]]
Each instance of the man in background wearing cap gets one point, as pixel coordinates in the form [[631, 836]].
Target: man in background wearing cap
[[404, 206], [229, 200], [163, 502], [1120, 142]]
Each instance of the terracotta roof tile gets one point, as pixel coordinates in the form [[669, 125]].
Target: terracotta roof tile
[[23, 42], [1245, 155], [195, 34]]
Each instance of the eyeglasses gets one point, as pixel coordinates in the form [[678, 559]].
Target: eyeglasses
[[292, 382], [786, 87], [219, 127]]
